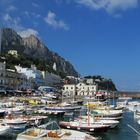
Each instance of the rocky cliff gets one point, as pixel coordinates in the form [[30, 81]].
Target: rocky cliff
[[33, 47]]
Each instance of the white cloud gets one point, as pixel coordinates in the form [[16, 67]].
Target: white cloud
[[32, 14], [7, 17], [14, 23], [51, 20], [110, 6], [35, 5], [27, 13], [11, 22], [11, 8], [28, 32], [36, 15]]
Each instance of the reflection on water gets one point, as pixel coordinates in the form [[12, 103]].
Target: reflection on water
[[122, 132]]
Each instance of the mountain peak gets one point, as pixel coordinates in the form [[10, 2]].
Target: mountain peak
[[32, 36], [33, 41], [33, 47], [12, 37]]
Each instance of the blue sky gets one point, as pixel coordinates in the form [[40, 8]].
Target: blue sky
[[99, 37]]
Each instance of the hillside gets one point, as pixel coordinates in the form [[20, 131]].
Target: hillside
[[32, 51], [103, 83]]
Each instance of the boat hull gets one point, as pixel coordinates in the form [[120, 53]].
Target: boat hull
[[91, 128], [4, 129], [65, 109]]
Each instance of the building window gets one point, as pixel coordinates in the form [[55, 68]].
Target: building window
[[71, 87]]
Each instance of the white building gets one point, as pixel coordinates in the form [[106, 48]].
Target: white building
[[86, 90], [9, 78], [69, 89], [34, 76], [54, 67], [13, 52], [73, 80], [24, 82], [89, 81], [80, 89]]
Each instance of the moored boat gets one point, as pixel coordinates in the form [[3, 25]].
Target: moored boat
[[133, 106], [65, 108], [4, 129], [42, 133], [93, 120], [122, 101], [16, 124], [137, 114], [84, 126], [31, 120], [2, 113], [108, 113], [139, 122]]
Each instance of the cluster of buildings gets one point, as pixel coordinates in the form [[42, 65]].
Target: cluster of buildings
[[26, 78], [80, 89], [32, 78], [86, 87]]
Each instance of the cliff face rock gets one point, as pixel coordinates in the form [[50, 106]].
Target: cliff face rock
[[34, 48], [32, 41], [11, 40], [11, 36]]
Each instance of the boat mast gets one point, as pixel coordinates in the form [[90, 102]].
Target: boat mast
[[88, 115]]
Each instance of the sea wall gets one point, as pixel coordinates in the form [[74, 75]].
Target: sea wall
[[133, 94]]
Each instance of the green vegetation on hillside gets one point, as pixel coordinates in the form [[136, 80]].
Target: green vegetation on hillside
[[26, 61], [103, 83]]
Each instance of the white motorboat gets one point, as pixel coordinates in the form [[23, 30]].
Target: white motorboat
[[133, 105], [122, 101], [109, 118], [64, 108], [16, 124], [100, 120], [15, 110], [139, 122], [42, 133], [108, 113], [2, 113], [4, 129], [31, 120], [137, 114]]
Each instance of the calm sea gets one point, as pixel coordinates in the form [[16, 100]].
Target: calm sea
[[122, 132]]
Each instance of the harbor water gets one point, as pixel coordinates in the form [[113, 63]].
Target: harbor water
[[122, 131]]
